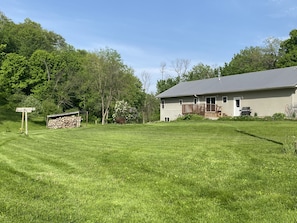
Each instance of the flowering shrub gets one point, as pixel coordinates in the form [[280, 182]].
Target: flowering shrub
[[123, 110]]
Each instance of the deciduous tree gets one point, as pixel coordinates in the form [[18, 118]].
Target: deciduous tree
[[288, 51]]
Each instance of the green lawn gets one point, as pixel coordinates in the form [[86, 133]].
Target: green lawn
[[205, 171]]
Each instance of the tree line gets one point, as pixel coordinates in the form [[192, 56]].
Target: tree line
[[274, 54], [39, 69]]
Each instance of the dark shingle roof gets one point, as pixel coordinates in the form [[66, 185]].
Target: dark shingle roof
[[269, 79]]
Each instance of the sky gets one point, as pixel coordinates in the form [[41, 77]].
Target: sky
[[148, 33]]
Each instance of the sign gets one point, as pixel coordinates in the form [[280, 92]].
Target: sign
[[29, 109], [25, 112]]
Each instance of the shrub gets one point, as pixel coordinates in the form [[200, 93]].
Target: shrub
[[123, 110], [31, 101], [278, 116], [239, 118], [193, 117]]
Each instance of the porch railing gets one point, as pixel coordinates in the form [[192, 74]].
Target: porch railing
[[202, 109]]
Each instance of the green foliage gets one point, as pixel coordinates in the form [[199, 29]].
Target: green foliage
[[151, 108], [27, 37], [14, 73], [240, 118], [192, 117], [278, 116], [200, 71], [288, 51], [163, 85], [123, 110], [290, 145], [31, 101], [109, 80], [13, 100], [250, 59], [49, 107]]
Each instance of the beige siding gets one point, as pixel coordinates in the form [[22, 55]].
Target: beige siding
[[172, 109], [264, 103]]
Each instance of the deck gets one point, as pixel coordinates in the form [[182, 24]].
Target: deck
[[206, 110]]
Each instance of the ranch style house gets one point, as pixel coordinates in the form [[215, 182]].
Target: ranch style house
[[262, 93]]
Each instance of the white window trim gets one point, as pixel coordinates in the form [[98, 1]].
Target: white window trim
[[211, 104], [162, 104], [223, 99], [197, 101]]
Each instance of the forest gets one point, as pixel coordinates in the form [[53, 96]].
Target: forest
[[38, 68]]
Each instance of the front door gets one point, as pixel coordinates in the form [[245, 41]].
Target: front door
[[237, 106]]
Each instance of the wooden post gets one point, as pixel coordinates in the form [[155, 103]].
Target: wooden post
[[26, 122], [23, 118], [25, 113]]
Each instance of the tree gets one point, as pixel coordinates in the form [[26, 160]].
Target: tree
[[146, 82], [251, 59], [6, 34], [270, 50], [107, 75], [14, 73], [288, 51], [162, 69], [52, 76], [198, 72], [180, 66], [27, 37], [2, 52], [163, 85], [131, 89]]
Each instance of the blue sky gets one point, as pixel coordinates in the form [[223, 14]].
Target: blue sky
[[149, 32]]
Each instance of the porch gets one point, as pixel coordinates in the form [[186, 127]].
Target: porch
[[206, 110]]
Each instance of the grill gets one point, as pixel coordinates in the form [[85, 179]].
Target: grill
[[245, 111]]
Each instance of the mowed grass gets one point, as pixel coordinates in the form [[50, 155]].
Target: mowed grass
[[207, 171]]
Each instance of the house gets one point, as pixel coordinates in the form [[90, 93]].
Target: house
[[263, 93]]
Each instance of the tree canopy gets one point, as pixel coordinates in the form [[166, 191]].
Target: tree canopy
[[273, 54], [38, 65]]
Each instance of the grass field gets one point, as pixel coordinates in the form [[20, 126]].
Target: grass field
[[206, 171]]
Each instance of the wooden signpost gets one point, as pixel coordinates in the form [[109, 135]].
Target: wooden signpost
[[25, 112]]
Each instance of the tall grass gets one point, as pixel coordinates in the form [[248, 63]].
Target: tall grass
[[206, 171]]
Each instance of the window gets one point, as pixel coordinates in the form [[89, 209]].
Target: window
[[224, 99], [210, 104], [163, 103], [195, 101], [237, 103], [180, 101]]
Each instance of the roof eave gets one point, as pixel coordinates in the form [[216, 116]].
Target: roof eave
[[226, 92]]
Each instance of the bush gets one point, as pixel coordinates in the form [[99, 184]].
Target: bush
[[193, 117], [239, 118], [31, 101], [123, 110], [49, 107], [278, 116]]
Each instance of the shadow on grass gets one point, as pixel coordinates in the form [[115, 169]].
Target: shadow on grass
[[39, 122], [259, 137]]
